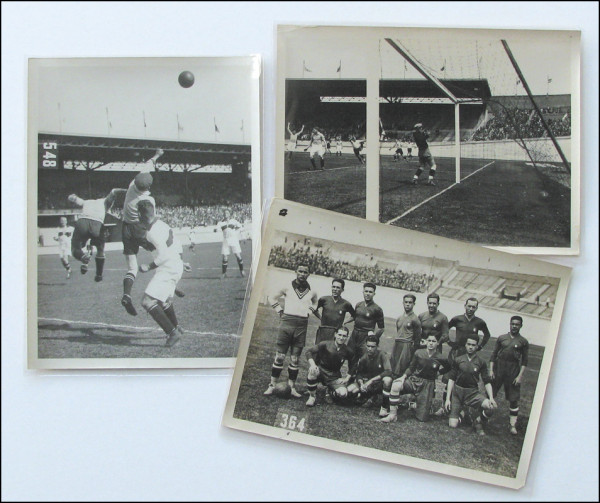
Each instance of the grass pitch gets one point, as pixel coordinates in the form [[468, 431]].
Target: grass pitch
[[340, 187], [498, 452], [505, 204], [79, 318]]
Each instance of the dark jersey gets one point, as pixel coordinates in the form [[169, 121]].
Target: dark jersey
[[408, 328], [330, 357], [427, 367], [465, 373], [511, 349], [368, 315], [465, 327], [370, 366], [333, 313], [420, 138], [436, 325]]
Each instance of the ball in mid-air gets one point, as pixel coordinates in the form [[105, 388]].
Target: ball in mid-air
[[186, 79]]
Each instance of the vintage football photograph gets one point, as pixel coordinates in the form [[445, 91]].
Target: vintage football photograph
[[144, 207], [429, 128], [396, 345]]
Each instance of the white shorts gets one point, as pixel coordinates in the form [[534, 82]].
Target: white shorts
[[317, 149], [233, 247], [339, 148], [63, 253], [291, 146], [162, 285]]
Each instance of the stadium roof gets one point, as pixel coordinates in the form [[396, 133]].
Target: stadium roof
[[108, 149], [389, 88]]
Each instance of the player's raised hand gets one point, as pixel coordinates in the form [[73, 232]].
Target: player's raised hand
[[159, 152], [144, 268]]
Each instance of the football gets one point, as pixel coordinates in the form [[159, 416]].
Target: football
[[282, 390]]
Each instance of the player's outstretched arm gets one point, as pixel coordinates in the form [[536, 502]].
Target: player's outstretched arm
[[150, 164], [76, 200]]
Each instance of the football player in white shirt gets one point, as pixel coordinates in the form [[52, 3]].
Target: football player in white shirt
[[63, 236], [317, 146], [134, 234], [90, 226], [293, 141], [299, 301], [158, 297], [231, 243], [357, 146], [399, 152], [338, 146]]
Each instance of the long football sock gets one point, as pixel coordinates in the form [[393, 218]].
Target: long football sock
[[240, 262], [418, 173], [276, 369], [386, 400], [161, 318], [170, 312], [224, 265], [293, 372], [128, 283], [99, 265]]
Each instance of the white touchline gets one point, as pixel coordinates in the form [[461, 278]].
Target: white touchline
[[322, 170], [435, 195], [111, 325]]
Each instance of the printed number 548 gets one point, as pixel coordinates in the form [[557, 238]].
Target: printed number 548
[[291, 422]]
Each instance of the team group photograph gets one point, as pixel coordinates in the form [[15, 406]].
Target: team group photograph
[[420, 355]]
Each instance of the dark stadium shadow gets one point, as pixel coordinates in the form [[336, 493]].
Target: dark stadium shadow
[[89, 335]]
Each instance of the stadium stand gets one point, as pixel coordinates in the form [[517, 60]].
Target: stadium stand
[[530, 294]]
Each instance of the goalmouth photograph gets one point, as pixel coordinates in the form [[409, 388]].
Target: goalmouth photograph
[[476, 131]]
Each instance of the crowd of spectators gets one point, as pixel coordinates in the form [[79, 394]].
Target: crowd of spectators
[[322, 264], [203, 216], [516, 123]]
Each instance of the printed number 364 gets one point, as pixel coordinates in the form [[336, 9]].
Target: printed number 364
[[291, 422]]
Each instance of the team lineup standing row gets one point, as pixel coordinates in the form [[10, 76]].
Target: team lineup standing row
[[141, 228], [319, 145], [416, 360]]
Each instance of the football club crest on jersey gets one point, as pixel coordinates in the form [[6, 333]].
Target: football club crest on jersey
[[475, 369], [435, 324], [341, 312]]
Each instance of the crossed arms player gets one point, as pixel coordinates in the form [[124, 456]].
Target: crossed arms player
[[90, 226], [426, 160], [507, 367], [134, 233], [325, 362], [158, 297], [299, 301]]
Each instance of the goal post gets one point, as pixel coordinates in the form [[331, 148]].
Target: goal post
[[440, 85]]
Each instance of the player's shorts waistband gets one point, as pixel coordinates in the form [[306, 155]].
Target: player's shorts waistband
[[358, 329], [462, 388], [406, 341], [328, 326], [293, 318]]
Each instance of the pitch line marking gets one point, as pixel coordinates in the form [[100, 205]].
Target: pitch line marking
[[329, 169], [435, 195], [112, 325]]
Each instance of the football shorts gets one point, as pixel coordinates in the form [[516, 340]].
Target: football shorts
[[465, 397], [163, 283], [230, 247], [292, 334], [317, 149], [134, 236]]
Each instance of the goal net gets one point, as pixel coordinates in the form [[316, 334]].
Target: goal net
[[477, 106]]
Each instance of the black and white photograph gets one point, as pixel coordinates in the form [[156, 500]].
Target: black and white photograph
[[396, 345], [144, 207], [463, 125]]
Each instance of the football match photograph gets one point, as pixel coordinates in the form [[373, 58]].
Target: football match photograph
[[423, 351], [426, 129], [146, 208]]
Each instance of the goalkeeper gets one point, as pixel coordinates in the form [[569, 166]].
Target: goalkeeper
[[426, 160]]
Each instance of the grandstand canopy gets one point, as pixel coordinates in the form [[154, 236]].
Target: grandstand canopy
[[393, 89], [109, 149]]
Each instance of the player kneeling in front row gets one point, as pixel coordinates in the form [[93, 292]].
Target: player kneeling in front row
[[158, 297], [463, 387], [325, 363], [373, 375], [419, 380]]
